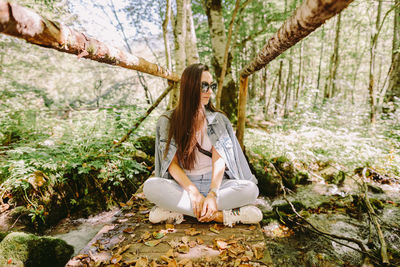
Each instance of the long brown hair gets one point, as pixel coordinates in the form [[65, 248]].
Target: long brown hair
[[185, 118]]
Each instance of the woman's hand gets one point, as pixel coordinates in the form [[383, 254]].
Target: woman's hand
[[209, 208], [197, 201]]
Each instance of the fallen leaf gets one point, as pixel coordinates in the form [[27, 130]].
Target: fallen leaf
[[142, 262], [245, 265], [212, 229], [192, 232], [199, 241], [172, 263], [245, 258], [223, 255], [9, 261], [174, 243], [237, 262], [170, 253], [258, 252], [184, 262], [185, 239], [152, 243], [123, 249], [146, 235], [183, 248], [252, 227], [115, 259], [192, 244], [158, 235], [219, 244], [129, 230], [169, 226], [218, 227]]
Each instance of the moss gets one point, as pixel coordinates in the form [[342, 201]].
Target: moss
[[3, 235], [146, 144], [35, 251]]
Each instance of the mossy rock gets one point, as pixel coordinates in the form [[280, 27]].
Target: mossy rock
[[147, 144], [333, 176], [28, 250]]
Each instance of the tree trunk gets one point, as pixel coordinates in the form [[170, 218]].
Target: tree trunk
[[371, 87], [179, 27], [278, 91], [299, 79], [320, 64], [330, 86], [218, 41], [308, 17], [192, 55], [394, 78], [288, 89], [165, 34], [23, 23]]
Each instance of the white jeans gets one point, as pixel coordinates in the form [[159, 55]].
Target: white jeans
[[169, 195]]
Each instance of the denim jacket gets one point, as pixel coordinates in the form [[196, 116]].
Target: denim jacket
[[220, 132]]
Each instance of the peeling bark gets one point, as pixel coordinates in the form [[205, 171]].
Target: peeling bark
[[308, 17], [217, 32], [23, 23], [192, 55]]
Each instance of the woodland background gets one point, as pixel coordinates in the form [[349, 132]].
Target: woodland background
[[332, 98]]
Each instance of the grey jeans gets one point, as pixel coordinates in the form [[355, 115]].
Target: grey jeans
[[169, 195]]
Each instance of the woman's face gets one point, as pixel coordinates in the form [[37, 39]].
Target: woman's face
[[205, 97]]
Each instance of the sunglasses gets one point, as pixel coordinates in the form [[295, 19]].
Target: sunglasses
[[205, 86]]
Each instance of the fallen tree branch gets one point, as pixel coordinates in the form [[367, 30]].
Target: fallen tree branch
[[24, 23], [371, 213], [144, 116]]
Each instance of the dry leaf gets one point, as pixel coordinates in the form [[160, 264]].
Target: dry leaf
[[237, 263], [192, 232], [129, 230], [174, 243], [146, 235], [152, 243], [164, 258], [245, 265], [183, 248], [184, 261], [212, 229], [169, 226], [170, 253], [199, 241], [192, 244], [172, 263], [218, 227], [252, 227], [219, 244], [223, 255], [123, 249], [185, 239], [258, 252], [115, 259], [142, 262], [245, 258]]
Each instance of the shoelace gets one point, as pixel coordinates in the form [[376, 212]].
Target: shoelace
[[236, 211]]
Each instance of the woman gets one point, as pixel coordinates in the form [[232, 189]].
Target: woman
[[201, 170]]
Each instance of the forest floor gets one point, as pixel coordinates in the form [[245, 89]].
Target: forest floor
[[131, 240]]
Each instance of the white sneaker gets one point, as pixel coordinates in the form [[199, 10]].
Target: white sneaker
[[158, 215], [247, 215]]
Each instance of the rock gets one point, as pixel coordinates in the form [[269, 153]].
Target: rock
[[333, 175], [22, 249]]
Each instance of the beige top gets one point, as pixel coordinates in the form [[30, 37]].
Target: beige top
[[203, 163]]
